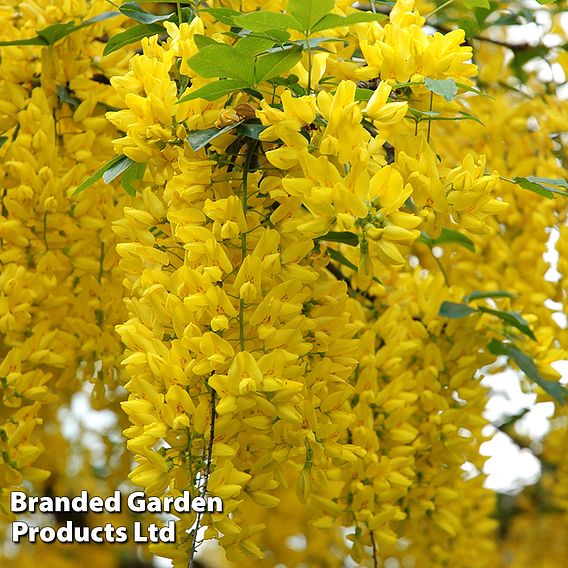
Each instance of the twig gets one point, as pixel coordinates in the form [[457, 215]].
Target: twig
[[208, 461], [375, 559]]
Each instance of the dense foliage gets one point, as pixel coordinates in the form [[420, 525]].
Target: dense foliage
[[279, 243]]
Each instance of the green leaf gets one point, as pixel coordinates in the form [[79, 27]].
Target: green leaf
[[56, 32], [344, 237], [512, 419], [470, 89], [308, 12], [435, 116], [223, 61], [223, 15], [250, 130], [479, 295], [131, 35], [454, 310], [262, 21], [363, 94], [332, 21], [185, 15], [315, 42], [528, 367], [200, 138], [273, 64], [3, 140], [338, 257], [65, 96], [549, 181], [534, 187], [465, 116], [214, 91], [253, 44], [448, 236], [446, 88], [28, 41], [98, 18], [136, 12], [546, 187], [517, 18], [96, 176], [254, 93], [512, 318], [134, 172], [396, 86], [202, 41], [423, 114], [477, 4], [116, 169], [278, 36], [291, 81], [285, 81], [53, 33]]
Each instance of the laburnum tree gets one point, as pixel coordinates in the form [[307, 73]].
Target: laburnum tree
[[280, 243]]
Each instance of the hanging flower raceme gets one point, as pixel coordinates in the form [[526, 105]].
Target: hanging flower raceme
[[58, 294]]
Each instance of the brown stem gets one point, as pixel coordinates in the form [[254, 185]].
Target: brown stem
[[375, 559], [208, 460]]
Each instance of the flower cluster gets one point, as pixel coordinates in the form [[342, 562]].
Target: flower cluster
[[60, 291]]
